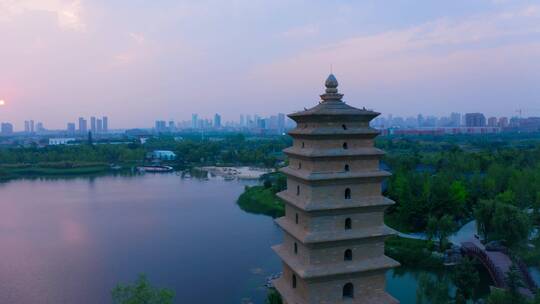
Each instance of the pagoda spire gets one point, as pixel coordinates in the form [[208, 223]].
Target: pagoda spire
[[331, 92]]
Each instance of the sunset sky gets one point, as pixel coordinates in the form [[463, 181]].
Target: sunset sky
[[137, 61]]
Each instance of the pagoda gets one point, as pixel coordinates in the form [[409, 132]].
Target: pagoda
[[333, 245]]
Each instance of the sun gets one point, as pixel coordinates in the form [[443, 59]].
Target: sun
[[2, 102]]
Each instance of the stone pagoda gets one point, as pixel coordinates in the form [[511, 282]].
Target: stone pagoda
[[333, 247]]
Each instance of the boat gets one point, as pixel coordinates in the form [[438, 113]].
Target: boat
[[155, 169]]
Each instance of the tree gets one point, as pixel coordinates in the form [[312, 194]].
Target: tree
[[141, 292], [500, 296], [440, 229], [432, 290], [510, 224], [273, 297], [483, 214], [514, 282], [466, 278]]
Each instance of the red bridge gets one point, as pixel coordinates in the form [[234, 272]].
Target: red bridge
[[498, 264]]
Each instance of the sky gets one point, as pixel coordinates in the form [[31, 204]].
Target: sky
[[137, 61]]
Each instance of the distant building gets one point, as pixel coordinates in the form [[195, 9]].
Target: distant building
[[99, 126], [83, 127], [163, 155], [172, 126], [475, 120], [161, 126], [217, 121], [455, 119], [105, 124], [492, 122], [39, 127], [503, 122], [71, 128], [60, 141], [531, 124], [194, 121], [6, 129], [281, 122], [93, 127], [26, 126]]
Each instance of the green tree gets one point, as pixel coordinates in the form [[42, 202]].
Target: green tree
[[484, 213], [466, 278], [510, 224], [432, 290], [273, 297], [440, 229], [141, 292]]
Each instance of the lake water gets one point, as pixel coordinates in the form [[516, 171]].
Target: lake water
[[73, 240]]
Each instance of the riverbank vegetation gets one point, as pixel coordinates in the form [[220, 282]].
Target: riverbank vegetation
[[493, 181], [90, 158], [263, 199]]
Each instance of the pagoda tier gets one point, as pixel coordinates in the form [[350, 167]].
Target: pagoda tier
[[334, 232]]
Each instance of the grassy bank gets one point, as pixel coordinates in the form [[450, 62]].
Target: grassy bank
[[261, 200], [412, 252], [52, 169]]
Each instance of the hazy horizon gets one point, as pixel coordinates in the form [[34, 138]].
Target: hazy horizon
[[136, 61]]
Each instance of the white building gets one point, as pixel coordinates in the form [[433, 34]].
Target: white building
[[164, 155], [60, 141]]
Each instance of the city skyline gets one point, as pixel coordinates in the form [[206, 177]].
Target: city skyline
[[84, 57]]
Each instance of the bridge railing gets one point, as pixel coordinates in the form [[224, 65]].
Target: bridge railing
[[526, 275], [472, 250]]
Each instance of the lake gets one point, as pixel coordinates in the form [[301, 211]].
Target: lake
[[72, 240]]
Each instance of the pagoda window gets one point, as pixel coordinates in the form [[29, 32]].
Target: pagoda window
[[297, 190], [303, 145], [299, 165], [293, 281], [295, 248], [347, 193], [296, 218], [345, 146], [348, 291], [347, 256], [347, 168], [348, 224], [344, 127]]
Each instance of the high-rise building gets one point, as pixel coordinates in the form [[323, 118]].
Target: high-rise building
[[83, 128], [242, 120], [26, 126], [71, 128], [475, 120], [333, 245], [161, 125], [281, 122], [6, 129], [93, 126], [105, 124], [39, 127], [32, 129], [503, 122], [492, 122], [194, 121], [99, 126], [172, 126], [455, 119], [217, 121]]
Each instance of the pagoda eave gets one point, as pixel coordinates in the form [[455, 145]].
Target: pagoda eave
[[313, 272], [290, 297], [334, 153], [366, 204], [315, 238], [360, 177]]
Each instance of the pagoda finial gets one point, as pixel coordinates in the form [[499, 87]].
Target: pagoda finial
[[331, 92]]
